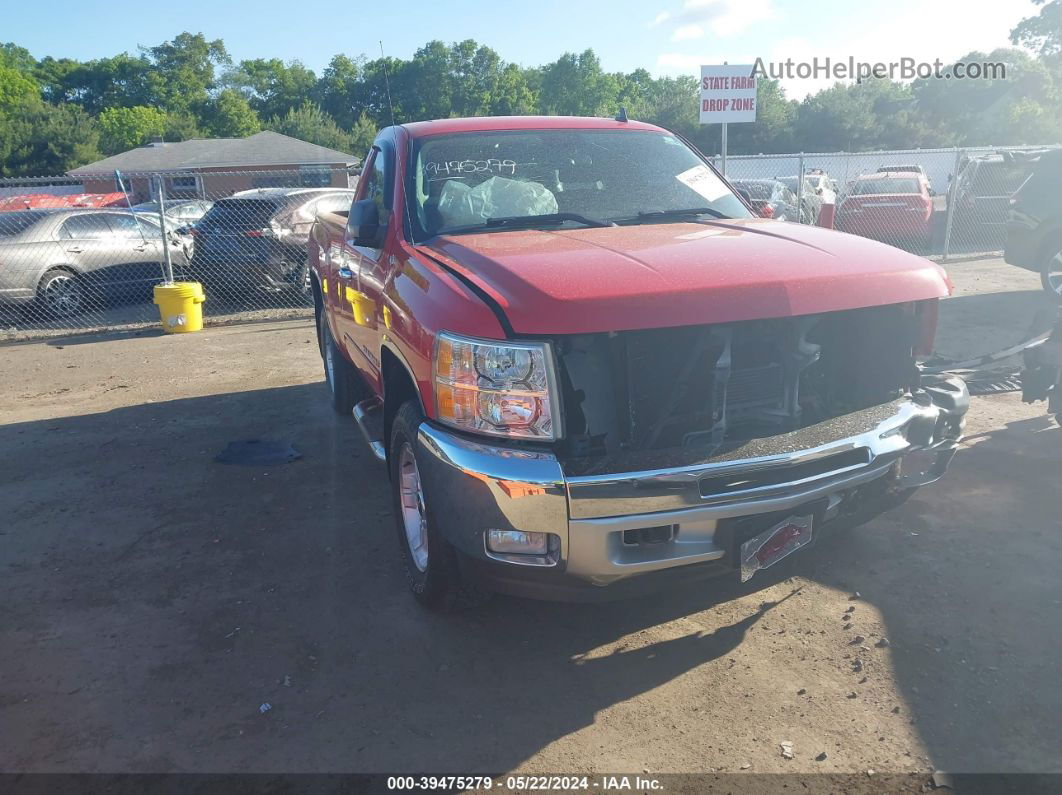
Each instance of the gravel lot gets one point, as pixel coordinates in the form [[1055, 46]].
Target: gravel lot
[[154, 599]]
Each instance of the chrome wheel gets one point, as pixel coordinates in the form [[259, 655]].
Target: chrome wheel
[[414, 518], [1052, 275], [62, 294]]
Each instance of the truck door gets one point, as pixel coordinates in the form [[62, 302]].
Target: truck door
[[360, 277]]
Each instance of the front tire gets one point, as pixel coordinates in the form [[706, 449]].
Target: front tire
[[61, 294], [431, 562], [1051, 272]]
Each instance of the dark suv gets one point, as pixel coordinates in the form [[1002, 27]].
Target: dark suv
[[982, 197], [258, 238], [1034, 224]]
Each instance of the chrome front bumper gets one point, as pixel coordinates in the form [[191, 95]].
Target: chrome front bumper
[[474, 487]]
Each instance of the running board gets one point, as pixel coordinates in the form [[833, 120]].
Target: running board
[[369, 416]]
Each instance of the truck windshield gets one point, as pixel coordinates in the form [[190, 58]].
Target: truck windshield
[[465, 183]]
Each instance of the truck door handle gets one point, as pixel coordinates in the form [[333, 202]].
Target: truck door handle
[[142, 247], [75, 250], [345, 273]]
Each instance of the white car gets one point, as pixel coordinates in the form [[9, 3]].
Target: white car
[[823, 186]]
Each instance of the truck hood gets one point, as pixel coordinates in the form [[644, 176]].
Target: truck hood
[[651, 276]]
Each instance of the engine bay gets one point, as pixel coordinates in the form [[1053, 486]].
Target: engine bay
[[710, 388]]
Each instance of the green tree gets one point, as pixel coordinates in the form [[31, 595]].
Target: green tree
[[337, 88], [120, 81], [512, 94], [18, 58], [1043, 32], [181, 127], [182, 71], [362, 135], [16, 89], [122, 129], [39, 139], [310, 123], [389, 86], [271, 86], [57, 78], [475, 71], [575, 85], [773, 129], [991, 110], [232, 116], [839, 118]]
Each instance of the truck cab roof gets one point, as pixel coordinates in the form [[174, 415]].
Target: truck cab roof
[[421, 129]]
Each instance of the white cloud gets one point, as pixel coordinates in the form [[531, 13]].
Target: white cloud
[[723, 17], [687, 32]]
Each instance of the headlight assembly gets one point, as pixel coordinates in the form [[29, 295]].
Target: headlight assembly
[[502, 388]]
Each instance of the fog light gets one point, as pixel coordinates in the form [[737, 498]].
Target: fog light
[[515, 542]]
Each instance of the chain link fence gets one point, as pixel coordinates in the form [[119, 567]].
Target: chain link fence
[[934, 202], [86, 256]]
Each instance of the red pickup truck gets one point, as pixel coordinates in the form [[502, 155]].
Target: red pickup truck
[[590, 368]]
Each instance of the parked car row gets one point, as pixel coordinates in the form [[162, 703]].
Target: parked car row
[[64, 261]]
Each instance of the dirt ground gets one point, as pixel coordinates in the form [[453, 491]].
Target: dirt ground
[[154, 600]]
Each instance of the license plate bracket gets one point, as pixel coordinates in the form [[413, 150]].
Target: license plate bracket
[[779, 541]]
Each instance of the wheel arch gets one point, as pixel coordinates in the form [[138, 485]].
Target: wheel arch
[[318, 308], [399, 385], [60, 266]]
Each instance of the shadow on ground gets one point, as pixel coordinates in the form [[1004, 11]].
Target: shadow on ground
[[156, 599]]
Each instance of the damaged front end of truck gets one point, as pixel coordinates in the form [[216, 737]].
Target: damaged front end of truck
[[713, 448]]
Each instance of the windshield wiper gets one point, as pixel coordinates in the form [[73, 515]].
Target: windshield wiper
[[664, 214], [522, 220], [517, 221]]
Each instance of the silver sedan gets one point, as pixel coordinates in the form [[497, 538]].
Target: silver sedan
[[67, 260]]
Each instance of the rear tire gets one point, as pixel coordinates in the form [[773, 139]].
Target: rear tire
[[1051, 271], [432, 568], [343, 381], [62, 294]]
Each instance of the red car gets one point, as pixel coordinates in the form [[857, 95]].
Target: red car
[[895, 207], [589, 368]]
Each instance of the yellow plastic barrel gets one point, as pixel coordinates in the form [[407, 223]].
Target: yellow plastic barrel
[[180, 306]]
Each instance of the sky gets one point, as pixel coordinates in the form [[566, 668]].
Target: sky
[[667, 37]]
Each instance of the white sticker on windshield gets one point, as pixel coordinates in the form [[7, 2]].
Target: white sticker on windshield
[[703, 180]]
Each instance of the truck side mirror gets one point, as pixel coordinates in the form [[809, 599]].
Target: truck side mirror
[[363, 224]]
